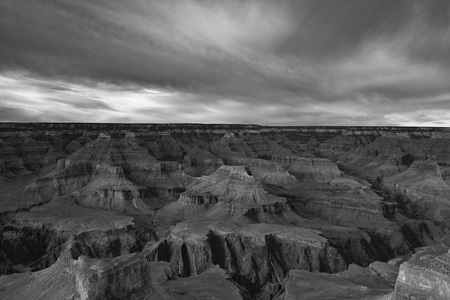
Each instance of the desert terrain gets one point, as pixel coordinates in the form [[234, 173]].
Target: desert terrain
[[192, 211]]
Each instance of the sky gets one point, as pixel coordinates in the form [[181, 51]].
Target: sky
[[268, 62]]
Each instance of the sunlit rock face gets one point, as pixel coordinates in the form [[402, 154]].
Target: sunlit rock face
[[426, 275], [230, 192], [127, 276], [173, 211], [123, 277], [234, 184]]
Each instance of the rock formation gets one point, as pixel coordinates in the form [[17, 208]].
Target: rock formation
[[265, 171], [254, 254], [230, 192], [316, 169], [109, 189], [426, 275], [200, 162], [123, 277], [354, 283], [211, 284], [187, 211]]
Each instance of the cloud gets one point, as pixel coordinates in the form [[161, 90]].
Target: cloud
[[287, 62], [378, 68]]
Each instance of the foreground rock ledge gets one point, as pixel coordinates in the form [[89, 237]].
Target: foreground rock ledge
[[254, 254], [426, 275]]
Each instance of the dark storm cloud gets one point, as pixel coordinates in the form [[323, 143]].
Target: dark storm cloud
[[288, 61]]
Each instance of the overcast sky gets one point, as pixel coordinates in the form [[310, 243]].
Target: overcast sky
[[274, 62]]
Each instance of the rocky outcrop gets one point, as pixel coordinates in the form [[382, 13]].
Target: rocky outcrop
[[316, 169], [343, 202], [24, 247], [107, 244], [166, 185], [22, 154], [199, 162], [354, 283], [211, 284], [67, 177], [263, 146], [421, 191], [109, 189], [78, 143], [106, 150], [388, 271], [233, 184], [425, 276], [254, 254], [265, 171], [55, 282], [231, 146], [70, 219], [34, 239], [229, 192], [355, 220], [123, 277], [364, 246]]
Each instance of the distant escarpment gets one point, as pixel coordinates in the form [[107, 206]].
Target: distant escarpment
[[316, 169], [200, 162]]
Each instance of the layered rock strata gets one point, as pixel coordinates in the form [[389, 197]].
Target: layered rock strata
[[199, 162], [50, 169], [255, 254], [229, 192], [425, 276], [317, 169], [109, 189], [124, 277], [265, 171]]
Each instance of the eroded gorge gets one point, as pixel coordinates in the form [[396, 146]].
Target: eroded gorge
[[190, 211]]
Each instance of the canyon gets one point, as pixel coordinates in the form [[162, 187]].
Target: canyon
[[217, 211]]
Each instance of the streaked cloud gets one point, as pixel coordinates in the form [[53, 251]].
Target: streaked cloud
[[293, 62]]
